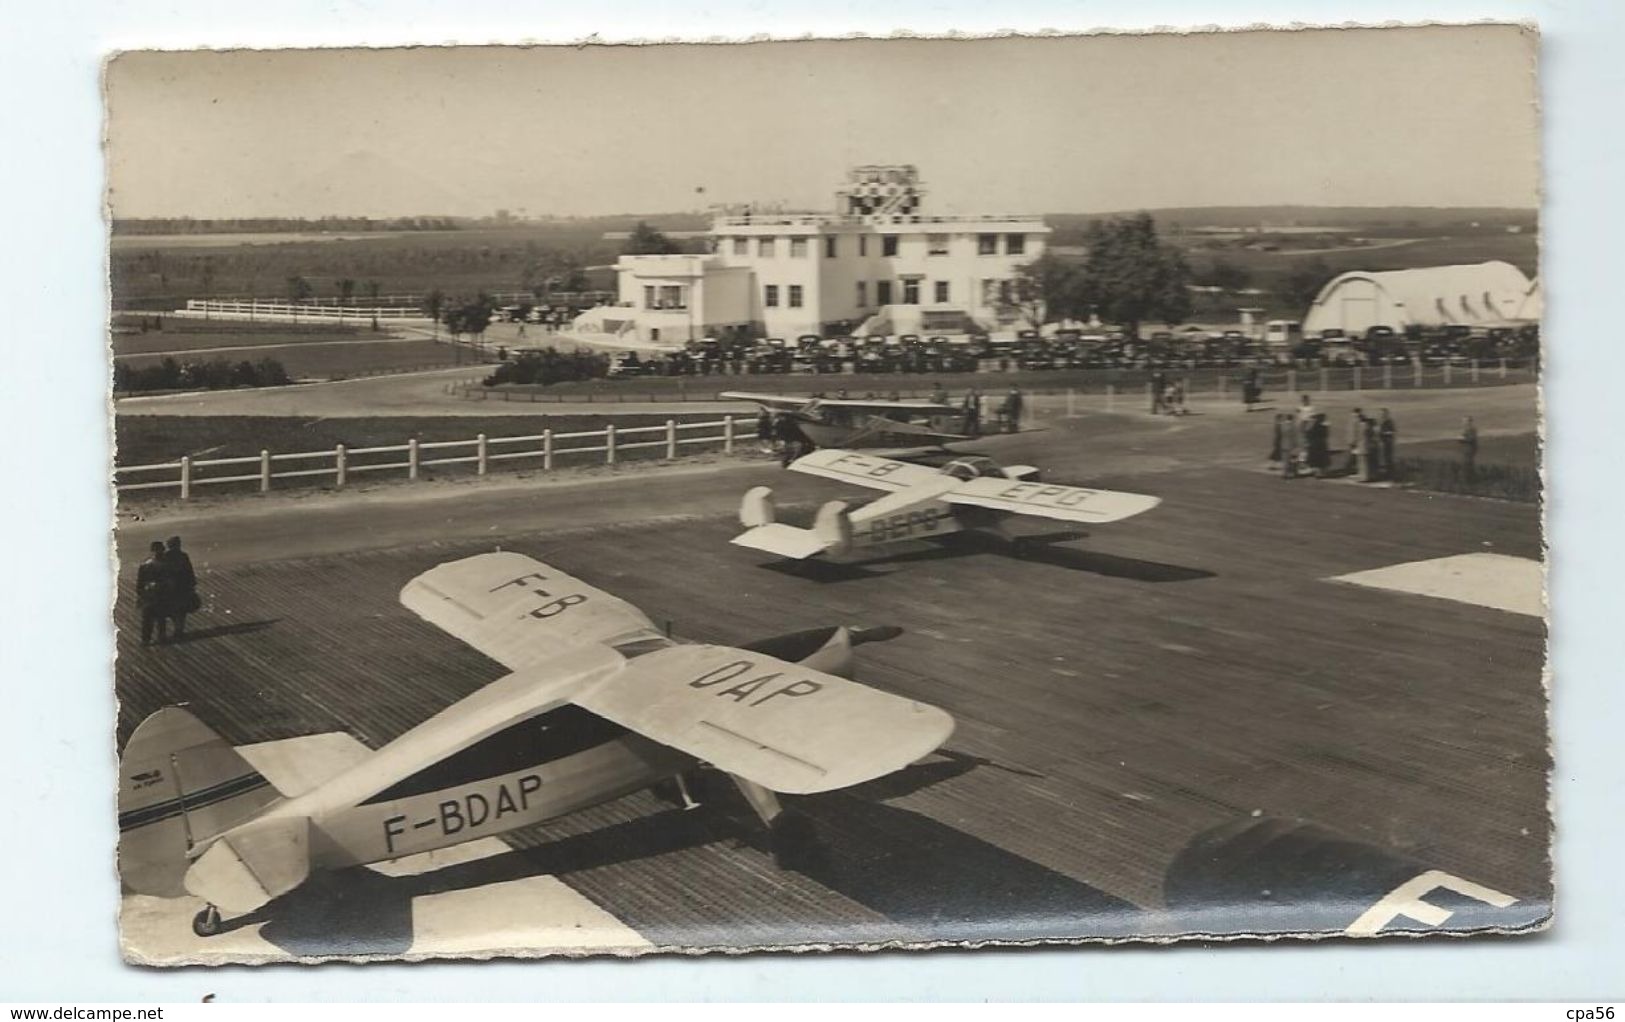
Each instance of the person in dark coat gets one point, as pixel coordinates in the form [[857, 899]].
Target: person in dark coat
[[973, 412], [764, 430], [183, 583], [1469, 447], [154, 594], [1319, 443], [1275, 438], [1012, 411], [790, 438], [1387, 434]]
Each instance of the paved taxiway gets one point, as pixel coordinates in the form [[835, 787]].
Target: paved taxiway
[[1116, 695]]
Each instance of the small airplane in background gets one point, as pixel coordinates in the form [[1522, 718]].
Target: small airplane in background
[[600, 703], [971, 494], [871, 422]]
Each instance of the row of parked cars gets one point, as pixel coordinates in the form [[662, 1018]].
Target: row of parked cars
[[1072, 349]]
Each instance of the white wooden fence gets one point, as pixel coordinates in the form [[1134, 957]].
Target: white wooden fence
[[340, 463]]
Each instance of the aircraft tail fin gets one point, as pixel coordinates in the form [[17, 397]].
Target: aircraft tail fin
[[180, 783], [833, 527], [757, 507]]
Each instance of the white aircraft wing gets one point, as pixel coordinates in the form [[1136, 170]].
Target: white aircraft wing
[[788, 402], [1047, 500], [864, 469], [784, 726], [882, 407], [519, 611]]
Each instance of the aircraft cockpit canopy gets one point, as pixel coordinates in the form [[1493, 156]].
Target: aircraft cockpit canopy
[[966, 469]]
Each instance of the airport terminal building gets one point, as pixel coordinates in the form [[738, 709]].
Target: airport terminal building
[[877, 265]]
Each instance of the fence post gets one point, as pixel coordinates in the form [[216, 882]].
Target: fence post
[[481, 454], [1387, 376], [265, 471], [728, 433], [1475, 370], [609, 444], [1416, 372], [1111, 396], [186, 477], [340, 466], [1503, 369], [1221, 384], [1447, 372], [671, 439], [1150, 395], [412, 458], [1292, 380], [1323, 387]]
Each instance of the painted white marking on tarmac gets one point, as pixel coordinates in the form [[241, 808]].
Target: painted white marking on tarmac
[[1513, 584], [536, 913], [1407, 900]]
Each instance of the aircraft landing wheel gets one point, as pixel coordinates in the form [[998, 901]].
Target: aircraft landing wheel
[[207, 922]]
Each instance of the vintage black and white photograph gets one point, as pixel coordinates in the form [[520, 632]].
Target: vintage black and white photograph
[[864, 493]]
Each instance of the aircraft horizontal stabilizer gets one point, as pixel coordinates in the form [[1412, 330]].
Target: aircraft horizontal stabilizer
[[252, 865], [784, 540], [784, 726], [1046, 500]]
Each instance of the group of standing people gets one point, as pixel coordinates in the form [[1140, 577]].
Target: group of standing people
[[166, 589], [1167, 396], [1301, 443]]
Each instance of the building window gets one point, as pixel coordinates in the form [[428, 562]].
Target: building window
[[888, 244], [741, 246], [940, 291], [649, 298], [770, 296], [987, 244], [936, 244], [911, 292], [829, 247], [990, 292], [1015, 244], [798, 248], [863, 294], [764, 248], [863, 244], [671, 297], [795, 296], [882, 292], [1004, 292]]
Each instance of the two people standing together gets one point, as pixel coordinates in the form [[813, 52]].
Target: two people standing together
[[166, 589]]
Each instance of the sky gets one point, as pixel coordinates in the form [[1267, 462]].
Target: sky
[[1438, 116]]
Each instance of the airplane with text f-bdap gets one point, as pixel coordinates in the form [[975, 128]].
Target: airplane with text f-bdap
[[600, 703], [965, 495], [849, 422]]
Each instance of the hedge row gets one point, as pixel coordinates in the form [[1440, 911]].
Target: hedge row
[[217, 374], [1502, 482]]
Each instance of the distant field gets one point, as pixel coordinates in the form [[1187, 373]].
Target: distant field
[[201, 341], [155, 270], [304, 359]]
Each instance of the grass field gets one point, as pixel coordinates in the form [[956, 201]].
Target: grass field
[[307, 359], [166, 340], [1522, 451]]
